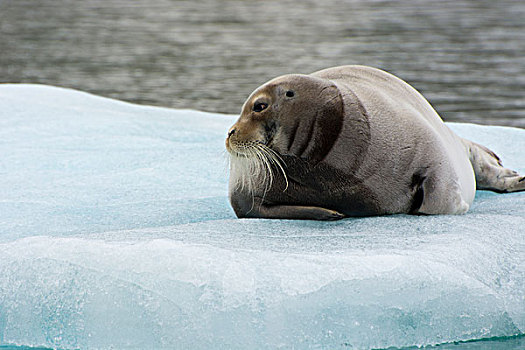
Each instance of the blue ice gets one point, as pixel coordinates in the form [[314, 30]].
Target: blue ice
[[116, 232]]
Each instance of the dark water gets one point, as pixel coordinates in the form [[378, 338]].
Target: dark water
[[467, 57]]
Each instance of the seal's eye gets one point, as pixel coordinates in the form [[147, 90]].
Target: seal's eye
[[259, 106], [289, 93]]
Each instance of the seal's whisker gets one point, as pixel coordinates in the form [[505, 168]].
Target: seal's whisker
[[265, 164], [277, 155], [254, 166], [275, 159], [270, 159], [254, 169], [250, 167]]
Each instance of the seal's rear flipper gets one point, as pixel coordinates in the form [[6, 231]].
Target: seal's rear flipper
[[490, 174]]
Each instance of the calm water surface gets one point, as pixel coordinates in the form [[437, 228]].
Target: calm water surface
[[467, 57]]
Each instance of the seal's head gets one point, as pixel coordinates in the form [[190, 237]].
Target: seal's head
[[292, 115]]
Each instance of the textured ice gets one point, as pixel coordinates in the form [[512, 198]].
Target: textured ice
[[116, 232]]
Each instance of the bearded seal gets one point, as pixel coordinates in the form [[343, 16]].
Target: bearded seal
[[352, 141]]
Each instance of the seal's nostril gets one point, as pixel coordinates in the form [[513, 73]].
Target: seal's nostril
[[231, 132]]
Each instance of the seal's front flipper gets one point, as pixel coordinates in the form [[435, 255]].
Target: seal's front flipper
[[490, 173], [297, 212]]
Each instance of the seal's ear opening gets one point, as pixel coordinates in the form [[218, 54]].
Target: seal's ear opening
[[328, 124]]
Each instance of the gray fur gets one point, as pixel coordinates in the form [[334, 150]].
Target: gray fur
[[490, 173], [353, 141]]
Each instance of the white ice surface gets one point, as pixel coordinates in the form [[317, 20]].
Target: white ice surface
[[116, 232]]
